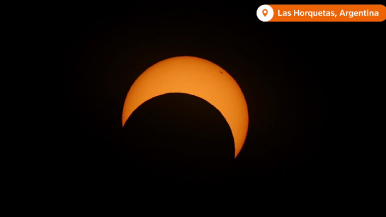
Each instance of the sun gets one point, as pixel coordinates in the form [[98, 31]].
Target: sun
[[197, 77]]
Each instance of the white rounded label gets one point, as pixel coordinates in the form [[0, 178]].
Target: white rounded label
[[264, 13]]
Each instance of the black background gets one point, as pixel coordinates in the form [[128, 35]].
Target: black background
[[304, 84]]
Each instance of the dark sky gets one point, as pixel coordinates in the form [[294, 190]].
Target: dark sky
[[303, 83]]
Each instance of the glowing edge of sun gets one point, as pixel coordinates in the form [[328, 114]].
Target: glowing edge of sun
[[198, 77]]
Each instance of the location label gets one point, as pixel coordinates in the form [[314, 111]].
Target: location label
[[321, 13]]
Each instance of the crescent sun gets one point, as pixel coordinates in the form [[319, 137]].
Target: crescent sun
[[197, 77]]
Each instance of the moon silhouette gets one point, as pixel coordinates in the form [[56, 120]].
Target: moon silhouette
[[197, 77]]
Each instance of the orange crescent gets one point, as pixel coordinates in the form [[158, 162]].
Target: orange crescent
[[198, 77]]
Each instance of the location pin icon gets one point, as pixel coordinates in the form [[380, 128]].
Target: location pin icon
[[265, 12]]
